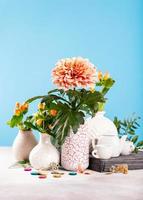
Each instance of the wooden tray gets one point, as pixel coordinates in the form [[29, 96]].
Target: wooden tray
[[134, 161]]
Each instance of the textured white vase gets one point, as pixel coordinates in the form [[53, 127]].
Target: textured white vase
[[100, 125], [23, 144], [44, 153], [75, 150]]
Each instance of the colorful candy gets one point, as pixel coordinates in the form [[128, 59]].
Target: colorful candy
[[87, 173], [27, 169], [35, 173], [42, 176], [72, 173], [57, 176]]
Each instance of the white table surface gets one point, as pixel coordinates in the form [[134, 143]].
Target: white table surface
[[16, 184]]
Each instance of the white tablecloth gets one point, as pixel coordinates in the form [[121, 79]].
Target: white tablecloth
[[16, 184]]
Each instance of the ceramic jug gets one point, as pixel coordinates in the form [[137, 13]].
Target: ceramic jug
[[44, 153], [101, 125], [23, 144]]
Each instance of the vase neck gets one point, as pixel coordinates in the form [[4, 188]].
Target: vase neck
[[45, 138], [24, 132], [100, 113]]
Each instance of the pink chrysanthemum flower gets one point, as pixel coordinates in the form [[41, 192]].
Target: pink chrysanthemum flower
[[74, 72]]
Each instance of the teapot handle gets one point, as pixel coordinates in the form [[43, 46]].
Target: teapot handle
[[94, 142], [94, 153]]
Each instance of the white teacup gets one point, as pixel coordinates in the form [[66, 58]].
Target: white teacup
[[102, 151]]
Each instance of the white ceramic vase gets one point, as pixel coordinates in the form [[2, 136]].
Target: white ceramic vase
[[100, 125], [23, 144], [75, 150], [44, 153]]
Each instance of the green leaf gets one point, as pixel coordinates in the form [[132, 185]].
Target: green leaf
[[140, 143], [61, 130], [15, 120], [66, 119], [23, 162], [61, 91], [131, 132], [30, 125], [52, 97], [134, 139], [109, 83], [75, 119], [117, 123], [34, 98], [136, 150]]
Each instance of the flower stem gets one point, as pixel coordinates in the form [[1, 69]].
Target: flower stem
[[101, 106]]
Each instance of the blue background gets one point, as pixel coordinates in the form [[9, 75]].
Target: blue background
[[34, 34]]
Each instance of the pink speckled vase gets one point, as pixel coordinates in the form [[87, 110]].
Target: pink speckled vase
[[75, 150]]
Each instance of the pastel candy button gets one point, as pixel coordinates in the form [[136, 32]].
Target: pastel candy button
[[87, 173], [57, 176], [42, 176], [35, 173], [27, 169], [72, 173]]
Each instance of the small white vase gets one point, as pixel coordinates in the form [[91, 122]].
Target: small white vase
[[75, 150], [44, 153], [23, 144]]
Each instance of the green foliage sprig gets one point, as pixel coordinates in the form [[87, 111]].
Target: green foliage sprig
[[42, 120], [129, 127], [18, 119], [105, 84], [72, 106]]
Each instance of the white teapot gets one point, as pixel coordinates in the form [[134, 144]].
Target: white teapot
[[112, 141], [127, 146]]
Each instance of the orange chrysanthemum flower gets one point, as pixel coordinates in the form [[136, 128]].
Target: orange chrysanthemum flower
[[74, 72]]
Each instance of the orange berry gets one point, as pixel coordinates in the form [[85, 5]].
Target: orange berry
[[26, 105], [17, 104], [100, 76], [39, 122], [22, 108], [41, 106], [106, 76], [17, 112], [53, 112]]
